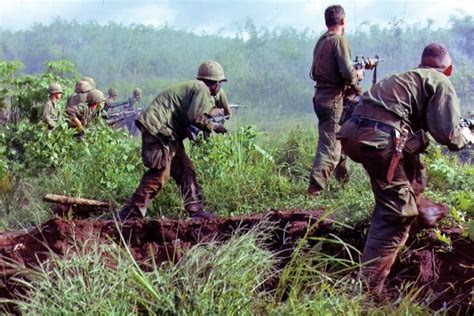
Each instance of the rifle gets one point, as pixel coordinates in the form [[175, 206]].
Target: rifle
[[361, 62], [193, 130], [467, 123], [117, 117], [118, 106], [237, 105]]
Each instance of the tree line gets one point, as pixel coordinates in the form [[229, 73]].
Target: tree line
[[267, 69]]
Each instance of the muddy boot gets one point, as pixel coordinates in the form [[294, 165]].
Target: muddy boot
[[430, 213], [200, 214], [314, 190], [128, 213]]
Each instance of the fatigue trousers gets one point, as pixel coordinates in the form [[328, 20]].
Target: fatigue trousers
[[164, 160], [395, 202], [328, 106]]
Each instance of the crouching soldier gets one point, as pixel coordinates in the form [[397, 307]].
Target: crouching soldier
[[386, 134], [164, 126], [82, 114]]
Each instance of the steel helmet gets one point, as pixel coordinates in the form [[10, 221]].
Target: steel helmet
[[113, 92], [85, 86], [137, 91], [55, 88], [90, 80], [95, 96], [211, 70]]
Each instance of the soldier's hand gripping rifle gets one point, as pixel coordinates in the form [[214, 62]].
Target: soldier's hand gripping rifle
[[193, 131], [368, 63]]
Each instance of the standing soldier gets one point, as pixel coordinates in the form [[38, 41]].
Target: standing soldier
[[82, 114], [50, 114], [164, 126], [386, 134], [333, 72], [113, 96]]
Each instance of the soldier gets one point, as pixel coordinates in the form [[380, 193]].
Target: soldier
[[333, 72], [50, 114], [80, 94], [82, 114], [113, 96], [164, 126], [386, 134], [136, 97]]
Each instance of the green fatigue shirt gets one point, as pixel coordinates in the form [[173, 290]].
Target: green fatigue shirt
[[50, 114], [173, 110], [332, 63], [83, 112], [76, 99], [422, 98], [220, 101]]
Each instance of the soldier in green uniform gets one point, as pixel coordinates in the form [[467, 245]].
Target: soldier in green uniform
[[164, 126], [80, 94], [333, 72], [82, 114], [386, 134], [50, 114], [113, 96], [136, 97]]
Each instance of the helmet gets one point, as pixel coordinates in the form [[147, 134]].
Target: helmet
[[211, 70], [113, 92], [90, 80], [137, 91], [95, 96], [55, 88], [85, 86]]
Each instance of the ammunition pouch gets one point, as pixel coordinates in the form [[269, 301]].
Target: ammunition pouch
[[416, 143]]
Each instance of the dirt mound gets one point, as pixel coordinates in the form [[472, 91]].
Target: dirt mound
[[447, 275]]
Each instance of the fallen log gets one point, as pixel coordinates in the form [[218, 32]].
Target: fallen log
[[64, 199]]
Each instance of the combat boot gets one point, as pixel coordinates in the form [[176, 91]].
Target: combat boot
[[201, 214], [128, 213]]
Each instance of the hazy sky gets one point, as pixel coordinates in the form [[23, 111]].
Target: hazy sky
[[226, 16]]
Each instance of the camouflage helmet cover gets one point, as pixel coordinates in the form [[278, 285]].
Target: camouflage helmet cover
[[55, 88], [113, 92], [95, 96], [211, 70], [90, 80], [85, 86], [137, 91]]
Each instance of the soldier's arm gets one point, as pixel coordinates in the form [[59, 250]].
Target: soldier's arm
[[198, 111], [223, 103], [344, 62], [72, 113], [443, 117]]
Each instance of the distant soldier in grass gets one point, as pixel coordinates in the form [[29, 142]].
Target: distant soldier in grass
[[386, 134], [50, 113], [82, 114], [136, 97], [113, 96], [333, 72], [164, 126]]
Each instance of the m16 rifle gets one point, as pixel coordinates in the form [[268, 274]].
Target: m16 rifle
[[193, 131], [368, 63]]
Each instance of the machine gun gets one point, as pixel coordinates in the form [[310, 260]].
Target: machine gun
[[121, 114], [361, 62], [119, 106], [193, 130]]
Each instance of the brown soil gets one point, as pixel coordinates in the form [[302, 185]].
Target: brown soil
[[447, 274]]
